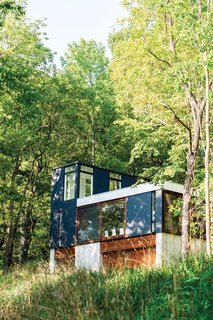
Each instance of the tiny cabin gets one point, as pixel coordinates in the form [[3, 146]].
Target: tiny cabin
[[100, 218]]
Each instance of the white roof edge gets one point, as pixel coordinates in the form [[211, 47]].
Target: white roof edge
[[127, 192], [116, 194], [173, 186]]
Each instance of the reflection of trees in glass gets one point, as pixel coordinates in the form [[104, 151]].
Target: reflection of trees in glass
[[113, 217], [172, 212], [88, 224], [86, 184], [69, 186]]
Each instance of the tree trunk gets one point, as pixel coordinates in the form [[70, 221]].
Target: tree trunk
[[186, 202], [10, 241], [28, 225], [93, 138], [191, 159], [4, 232], [13, 224], [207, 154]]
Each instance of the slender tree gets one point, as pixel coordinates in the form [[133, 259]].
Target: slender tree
[[158, 58]]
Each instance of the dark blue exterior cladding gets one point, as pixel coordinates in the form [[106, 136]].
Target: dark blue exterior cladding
[[56, 204], [159, 210], [127, 181], [100, 180], [68, 223], [63, 213], [62, 226], [139, 214]]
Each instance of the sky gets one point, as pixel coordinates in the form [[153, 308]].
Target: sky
[[70, 20]]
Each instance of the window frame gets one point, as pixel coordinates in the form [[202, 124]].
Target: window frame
[[69, 170], [90, 171], [115, 177], [78, 223], [179, 195], [101, 238]]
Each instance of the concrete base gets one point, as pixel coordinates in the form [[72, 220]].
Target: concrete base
[[168, 247], [52, 264], [88, 256]]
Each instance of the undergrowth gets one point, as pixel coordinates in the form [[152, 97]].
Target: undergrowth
[[184, 291]]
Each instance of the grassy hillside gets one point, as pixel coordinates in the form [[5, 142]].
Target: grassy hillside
[[179, 292]]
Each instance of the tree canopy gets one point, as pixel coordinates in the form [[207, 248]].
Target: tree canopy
[[142, 112]]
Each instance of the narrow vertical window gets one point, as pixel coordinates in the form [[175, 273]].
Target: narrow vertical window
[[59, 228], [153, 212], [69, 183], [114, 181], [86, 181]]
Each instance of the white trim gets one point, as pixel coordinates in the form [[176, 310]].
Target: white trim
[[116, 194], [159, 249], [52, 261], [127, 192], [172, 186]]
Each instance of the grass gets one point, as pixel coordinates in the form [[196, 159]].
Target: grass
[[184, 291]]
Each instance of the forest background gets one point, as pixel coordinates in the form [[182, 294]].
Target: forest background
[[145, 112]]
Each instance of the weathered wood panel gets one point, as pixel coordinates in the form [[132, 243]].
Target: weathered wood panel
[[143, 242], [130, 258], [64, 253]]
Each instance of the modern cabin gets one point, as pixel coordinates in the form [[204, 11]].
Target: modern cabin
[[99, 218]]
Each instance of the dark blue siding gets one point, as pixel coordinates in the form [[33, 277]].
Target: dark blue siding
[[139, 214], [159, 210], [63, 213], [100, 180], [127, 181], [56, 205], [68, 223]]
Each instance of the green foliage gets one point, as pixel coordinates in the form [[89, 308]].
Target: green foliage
[[11, 7], [183, 291], [89, 106], [157, 64]]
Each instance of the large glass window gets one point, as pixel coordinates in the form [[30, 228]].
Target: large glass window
[[113, 218], [114, 181], [88, 223], [86, 181], [69, 183], [172, 210]]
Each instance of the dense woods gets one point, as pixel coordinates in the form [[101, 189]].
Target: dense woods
[[146, 112]]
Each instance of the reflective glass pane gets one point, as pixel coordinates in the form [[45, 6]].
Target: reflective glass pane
[[88, 218], [171, 218], [114, 185], [113, 218], [69, 186], [69, 169], [115, 175], [86, 184], [87, 169]]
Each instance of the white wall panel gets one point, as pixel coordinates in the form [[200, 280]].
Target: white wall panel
[[88, 256], [168, 247]]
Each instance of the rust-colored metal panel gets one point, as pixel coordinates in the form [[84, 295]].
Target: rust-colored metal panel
[[143, 242], [64, 253], [130, 258]]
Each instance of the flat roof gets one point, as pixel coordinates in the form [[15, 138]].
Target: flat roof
[[129, 191], [94, 166]]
